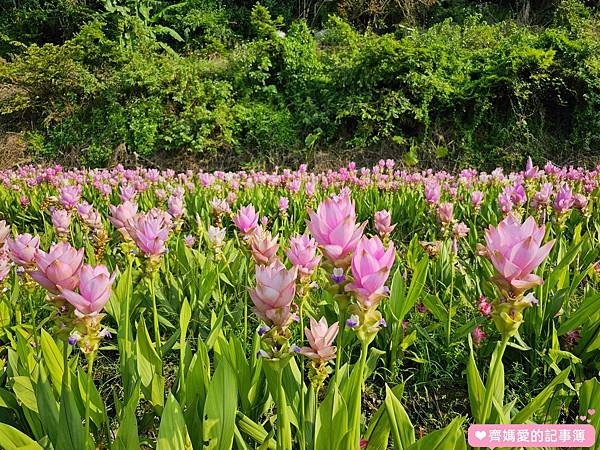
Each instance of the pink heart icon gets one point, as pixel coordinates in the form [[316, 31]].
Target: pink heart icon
[[591, 411], [583, 417]]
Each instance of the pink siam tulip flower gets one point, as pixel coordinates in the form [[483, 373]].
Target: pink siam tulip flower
[[445, 213], [175, 204], [150, 233], [264, 247], [506, 204], [335, 229], [274, 293], [371, 265], [383, 223], [59, 267], [23, 248], [24, 200], [433, 192], [4, 231], [122, 217], [61, 220], [302, 253], [476, 199], [320, 339], [189, 241], [460, 230], [246, 220], [94, 290], [580, 201], [531, 171], [517, 194], [564, 200], [284, 203], [216, 237], [515, 250], [542, 197], [4, 267], [127, 193], [69, 196], [478, 336]]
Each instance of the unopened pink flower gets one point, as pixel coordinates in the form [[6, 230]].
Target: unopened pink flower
[[4, 231], [59, 267], [283, 204], [264, 247], [303, 254], [122, 217], [274, 293], [515, 249], [320, 340], [69, 196], [383, 222], [94, 290], [476, 199], [61, 220], [22, 249], [460, 230], [564, 200], [433, 192], [371, 265], [175, 205], [246, 220], [445, 213]]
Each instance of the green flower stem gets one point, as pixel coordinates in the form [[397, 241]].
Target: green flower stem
[[493, 374], [284, 435], [155, 316], [340, 340], [357, 398], [301, 436], [90, 360]]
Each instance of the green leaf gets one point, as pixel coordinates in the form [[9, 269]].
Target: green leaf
[[97, 409], [52, 358], [589, 306], [589, 398], [450, 438], [70, 429], [172, 434], [332, 420], [127, 435], [24, 392], [403, 432], [149, 368], [540, 400], [47, 405], [220, 408], [475, 384], [13, 439]]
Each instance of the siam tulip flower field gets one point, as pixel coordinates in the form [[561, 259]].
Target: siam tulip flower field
[[358, 308]]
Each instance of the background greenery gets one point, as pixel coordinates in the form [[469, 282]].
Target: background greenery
[[226, 83]]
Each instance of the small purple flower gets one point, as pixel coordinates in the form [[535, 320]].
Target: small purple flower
[[294, 348], [383, 323], [338, 276], [353, 321], [532, 300], [421, 308], [262, 354], [262, 330], [74, 338], [105, 334]]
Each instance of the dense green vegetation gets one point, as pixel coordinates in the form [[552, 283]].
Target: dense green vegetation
[[230, 82]]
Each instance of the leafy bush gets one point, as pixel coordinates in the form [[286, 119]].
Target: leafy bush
[[175, 78]]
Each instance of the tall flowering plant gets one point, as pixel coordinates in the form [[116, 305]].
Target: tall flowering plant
[[515, 250]]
